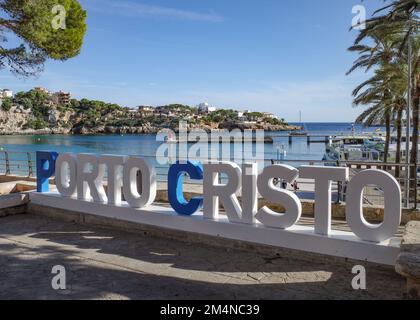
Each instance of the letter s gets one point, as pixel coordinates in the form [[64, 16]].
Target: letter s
[[288, 199]]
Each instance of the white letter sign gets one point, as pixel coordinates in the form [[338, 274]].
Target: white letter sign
[[392, 211]]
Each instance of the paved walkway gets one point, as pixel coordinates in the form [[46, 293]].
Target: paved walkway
[[108, 264]]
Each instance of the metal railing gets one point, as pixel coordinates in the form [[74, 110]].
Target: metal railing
[[17, 163]]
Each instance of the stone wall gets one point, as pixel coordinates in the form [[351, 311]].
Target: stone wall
[[408, 262], [371, 213]]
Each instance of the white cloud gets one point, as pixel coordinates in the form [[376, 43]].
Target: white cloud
[[326, 100], [133, 9]]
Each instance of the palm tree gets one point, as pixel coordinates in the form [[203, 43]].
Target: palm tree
[[402, 18], [378, 89], [376, 93], [398, 127], [396, 74]]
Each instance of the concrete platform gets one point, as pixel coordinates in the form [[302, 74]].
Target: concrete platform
[[298, 237], [108, 264]]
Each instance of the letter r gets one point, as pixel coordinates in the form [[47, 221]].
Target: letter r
[[45, 169], [176, 187]]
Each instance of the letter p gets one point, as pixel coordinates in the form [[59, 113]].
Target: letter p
[[45, 169]]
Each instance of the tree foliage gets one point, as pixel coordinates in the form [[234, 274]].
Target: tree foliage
[[36, 100], [32, 22], [383, 47], [6, 104]]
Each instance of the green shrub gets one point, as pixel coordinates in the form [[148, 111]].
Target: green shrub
[[6, 104], [36, 124]]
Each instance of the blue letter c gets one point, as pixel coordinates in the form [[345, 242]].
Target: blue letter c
[[176, 189]]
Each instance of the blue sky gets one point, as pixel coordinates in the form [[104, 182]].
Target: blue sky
[[266, 55]]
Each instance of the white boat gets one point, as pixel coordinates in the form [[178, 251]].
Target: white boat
[[393, 151], [355, 148], [303, 132]]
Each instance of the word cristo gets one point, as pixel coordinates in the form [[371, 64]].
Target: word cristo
[[82, 177]]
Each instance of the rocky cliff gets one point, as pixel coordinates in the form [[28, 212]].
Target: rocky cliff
[[22, 121], [18, 121]]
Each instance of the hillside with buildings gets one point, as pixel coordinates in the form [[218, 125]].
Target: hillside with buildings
[[40, 111]]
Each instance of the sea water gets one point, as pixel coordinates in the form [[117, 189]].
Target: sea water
[[146, 145]]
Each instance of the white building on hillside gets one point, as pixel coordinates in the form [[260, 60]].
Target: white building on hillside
[[42, 89], [145, 109], [61, 97], [269, 115], [205, 108], [6, 93]]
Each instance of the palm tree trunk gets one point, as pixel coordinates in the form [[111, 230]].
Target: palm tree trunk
[[388, 137], [415, 143], [399, 137]]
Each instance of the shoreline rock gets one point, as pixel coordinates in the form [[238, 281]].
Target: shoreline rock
[[15, 122], [143, 130]]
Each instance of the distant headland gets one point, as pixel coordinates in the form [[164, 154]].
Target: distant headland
[[40, 111]]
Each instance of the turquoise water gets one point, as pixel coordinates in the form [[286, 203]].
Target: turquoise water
[[110, 144], [146, 145]]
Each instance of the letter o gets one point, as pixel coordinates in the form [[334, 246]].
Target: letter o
[[392, 211], [148, 183], [66, 184]]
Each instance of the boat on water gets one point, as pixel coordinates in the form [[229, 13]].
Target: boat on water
[[393, 152], [220, 140], [299, 134], [364, 148], [303, 132]]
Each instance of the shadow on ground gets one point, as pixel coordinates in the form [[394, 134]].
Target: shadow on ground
[[108, 264]]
